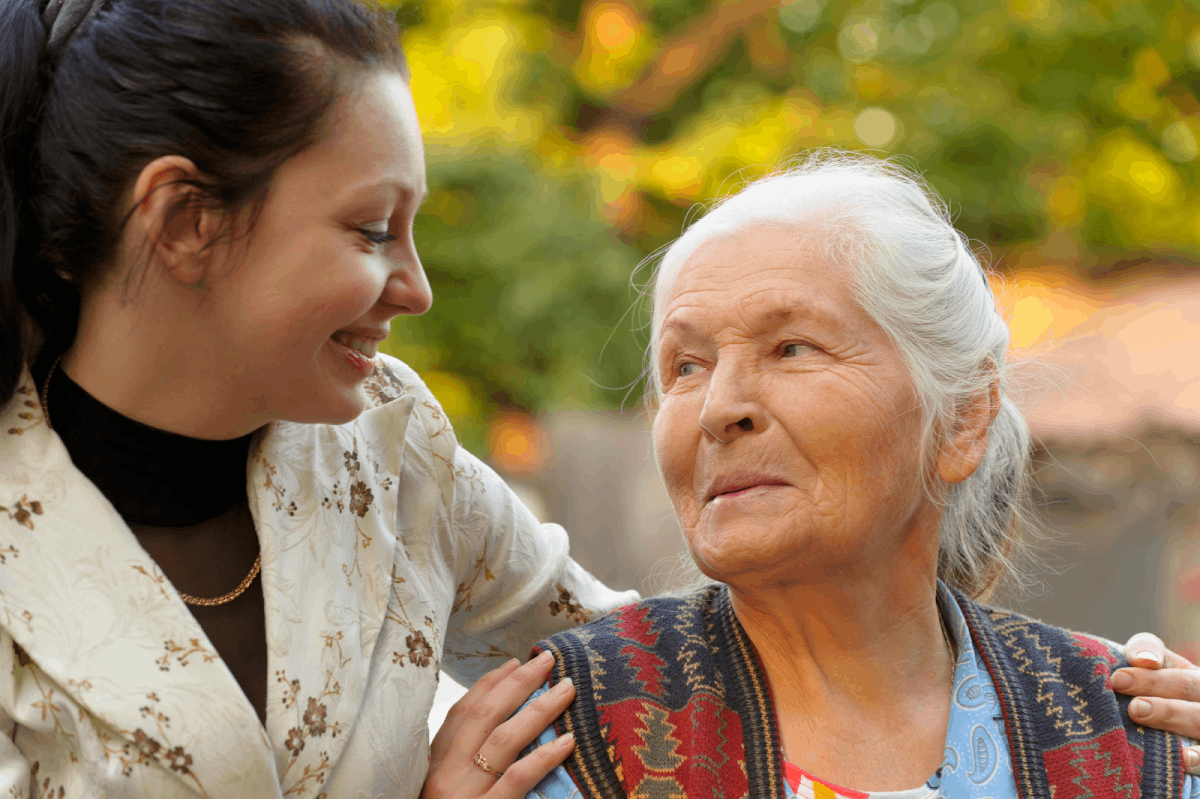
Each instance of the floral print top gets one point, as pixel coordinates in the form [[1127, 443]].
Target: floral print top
[[388, 552]]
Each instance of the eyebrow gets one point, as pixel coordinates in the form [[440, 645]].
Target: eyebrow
[[404, 189]]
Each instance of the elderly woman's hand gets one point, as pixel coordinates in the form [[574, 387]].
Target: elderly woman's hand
[[1169, 689], [480, 723]]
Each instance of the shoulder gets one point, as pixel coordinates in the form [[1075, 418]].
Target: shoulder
[[658, 622], [1059, 707], [659, 647], [1034, 643]]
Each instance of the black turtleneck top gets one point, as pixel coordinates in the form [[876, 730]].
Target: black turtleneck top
[[150, 476], [185, 501]]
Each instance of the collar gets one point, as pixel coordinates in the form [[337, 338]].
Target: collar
[[149, 475]]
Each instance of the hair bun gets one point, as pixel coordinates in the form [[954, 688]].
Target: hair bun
[[64, 19]]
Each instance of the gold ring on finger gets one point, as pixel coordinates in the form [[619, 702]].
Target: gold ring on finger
[[482, 764]]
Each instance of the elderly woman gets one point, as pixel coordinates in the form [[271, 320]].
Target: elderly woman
[[835, 430]]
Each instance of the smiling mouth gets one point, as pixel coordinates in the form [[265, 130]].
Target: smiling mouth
[[367, 346]]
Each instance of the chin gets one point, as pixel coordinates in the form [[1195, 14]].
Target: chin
[[336, 408], [750, 552]]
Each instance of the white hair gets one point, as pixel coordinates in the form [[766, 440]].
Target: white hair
[[917, 278]]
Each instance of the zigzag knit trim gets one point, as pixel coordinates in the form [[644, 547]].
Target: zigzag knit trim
[[1028, 766], [1162, 769]]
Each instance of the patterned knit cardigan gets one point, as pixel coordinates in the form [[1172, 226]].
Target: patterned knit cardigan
[[672, 702]]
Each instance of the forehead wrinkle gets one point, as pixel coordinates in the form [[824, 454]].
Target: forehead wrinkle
[[759, 309]]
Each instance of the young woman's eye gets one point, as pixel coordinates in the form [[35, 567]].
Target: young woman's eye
[[377, 236], [796, 348]]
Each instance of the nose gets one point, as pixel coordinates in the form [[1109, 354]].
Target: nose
[[731, 408], [407, 290]]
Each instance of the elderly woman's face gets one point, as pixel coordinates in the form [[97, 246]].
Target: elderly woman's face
[[789, 431]]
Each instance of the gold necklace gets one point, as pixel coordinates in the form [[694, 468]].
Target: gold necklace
[[187, 598], [232, 595]]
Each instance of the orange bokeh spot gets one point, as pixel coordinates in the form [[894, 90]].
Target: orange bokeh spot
[[516, 444], [613, 27]]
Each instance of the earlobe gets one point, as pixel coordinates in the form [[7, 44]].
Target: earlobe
[[175, 225], [964, 450]]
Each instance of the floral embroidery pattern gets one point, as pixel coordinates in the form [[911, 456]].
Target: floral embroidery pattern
[[49, 707], [463, 592], [23, 511], [567, 605], [357, 494], [311, 717], [422, 652], [26, 618], [32, 404], [277, 490], [157, 578], [44, 790], [143, 748], [360, 498], [492, 651], [383, 386], [182, 653]]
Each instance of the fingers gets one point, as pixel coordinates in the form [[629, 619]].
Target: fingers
[[508, 739], [483, 723], [1174, 715], [489, 713], [458, 713], [1181, 684], [523, 776], [1145, 650]]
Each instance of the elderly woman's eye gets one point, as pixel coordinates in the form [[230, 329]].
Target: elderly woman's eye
[[688, 368], [795, 348]]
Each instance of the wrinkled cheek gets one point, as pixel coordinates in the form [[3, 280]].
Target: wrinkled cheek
[[676, 463]]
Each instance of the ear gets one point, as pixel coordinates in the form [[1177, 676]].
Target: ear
[[170, 214], [963, 451]]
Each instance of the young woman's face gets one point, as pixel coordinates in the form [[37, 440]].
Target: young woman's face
[[329, 262]]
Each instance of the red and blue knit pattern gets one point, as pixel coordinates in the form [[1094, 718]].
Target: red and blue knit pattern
[[671, 701]]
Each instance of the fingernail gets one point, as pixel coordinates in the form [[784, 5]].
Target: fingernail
[[566, 740], [563, 686], [1139, 707], [1192, 757], [545, 657], [1146, 654], [1121, 680]]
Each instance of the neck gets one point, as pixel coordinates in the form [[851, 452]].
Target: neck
[[146, 366], [151, 477], [856, 666], [860, 632]]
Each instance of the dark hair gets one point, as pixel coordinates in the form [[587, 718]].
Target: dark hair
[[237, 86]]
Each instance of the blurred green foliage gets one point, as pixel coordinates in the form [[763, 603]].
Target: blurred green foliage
[[567, 141]]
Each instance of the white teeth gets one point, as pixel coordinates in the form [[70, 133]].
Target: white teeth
[[367, 346]]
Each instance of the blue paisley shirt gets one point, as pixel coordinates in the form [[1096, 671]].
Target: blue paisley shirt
[[976, 765]]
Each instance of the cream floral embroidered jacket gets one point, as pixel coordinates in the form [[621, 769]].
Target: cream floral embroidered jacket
[[387, 551]]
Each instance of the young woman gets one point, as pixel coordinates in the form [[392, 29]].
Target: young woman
[[206, 231], [237, 544]]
